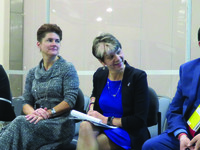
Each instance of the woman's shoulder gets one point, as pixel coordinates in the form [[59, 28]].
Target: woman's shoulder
[[3, 74], [2, 69], [134, 71], [64, 63], [31, 72], [101, 71], [65, 66]]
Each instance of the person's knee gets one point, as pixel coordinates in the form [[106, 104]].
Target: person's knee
[[20, 118], [148, 145], [86, 138], [104, 142], [85, 128]]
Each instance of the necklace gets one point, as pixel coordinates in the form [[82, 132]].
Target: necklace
[[114, 95]]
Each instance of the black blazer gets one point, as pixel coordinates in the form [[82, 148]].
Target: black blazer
[[5, 91], [135, 101]]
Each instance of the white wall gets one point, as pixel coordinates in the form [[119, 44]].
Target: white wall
[[152, 33], [4, 33]]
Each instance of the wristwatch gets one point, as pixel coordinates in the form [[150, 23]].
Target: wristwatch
[[109, 122], [53, 112]]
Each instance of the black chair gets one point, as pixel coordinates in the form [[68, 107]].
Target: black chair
[[81, 104], [6, 110], [154, 116]]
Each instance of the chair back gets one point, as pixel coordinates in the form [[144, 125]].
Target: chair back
[[152, 118], [79, 106], [6, 110]]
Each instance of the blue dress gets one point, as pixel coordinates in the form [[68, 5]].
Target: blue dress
[[112, 106]]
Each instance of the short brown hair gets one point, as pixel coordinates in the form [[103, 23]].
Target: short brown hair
[[46, 28]]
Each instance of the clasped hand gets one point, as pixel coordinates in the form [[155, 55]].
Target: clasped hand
[[37, 115], [194, 144]]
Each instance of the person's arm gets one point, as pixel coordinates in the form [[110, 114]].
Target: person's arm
[[175, 118], [91, 104], [28, 109], [59, 109], [34, 116], [5, 91], [70, 91], [178, 133], [136, 98], [116, 122], [28, 100]]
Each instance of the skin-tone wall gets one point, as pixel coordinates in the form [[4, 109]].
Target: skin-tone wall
[[4, 30]]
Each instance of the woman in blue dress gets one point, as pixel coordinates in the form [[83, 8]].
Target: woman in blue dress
[[119, 98]]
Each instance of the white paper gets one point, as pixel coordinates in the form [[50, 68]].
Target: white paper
[[81, 116]]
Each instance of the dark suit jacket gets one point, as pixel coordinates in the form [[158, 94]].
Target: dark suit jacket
[[6, 110], [135, 101], [185, 96], [5, 91]]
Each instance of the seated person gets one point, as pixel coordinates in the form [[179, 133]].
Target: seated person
[[5, 91], [119, 98], [6, 111], [50, 93], [178, 135]]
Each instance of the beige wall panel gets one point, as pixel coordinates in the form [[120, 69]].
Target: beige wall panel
[[34, 17], [4, 30], [152, 34], [195, 50]]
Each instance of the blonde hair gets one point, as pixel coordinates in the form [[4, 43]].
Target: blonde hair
[[105, 43]]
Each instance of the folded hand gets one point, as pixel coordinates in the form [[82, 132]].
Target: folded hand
[[37, 115]]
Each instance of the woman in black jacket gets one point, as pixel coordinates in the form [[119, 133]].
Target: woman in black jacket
[[119, 98]]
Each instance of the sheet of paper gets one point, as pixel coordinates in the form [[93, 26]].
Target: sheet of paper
[[81, 116]]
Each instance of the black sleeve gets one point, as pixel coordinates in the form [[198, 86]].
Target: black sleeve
[[137, 103], [5, 91]]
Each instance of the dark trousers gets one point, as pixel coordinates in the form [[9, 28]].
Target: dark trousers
[[163, 141]]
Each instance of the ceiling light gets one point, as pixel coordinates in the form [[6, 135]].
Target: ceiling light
[[53, 10], [109, 9], [99, 19]]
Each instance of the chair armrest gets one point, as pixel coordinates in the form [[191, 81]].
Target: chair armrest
[[87, 102], [164, 103], [162, 121], [17, 103]]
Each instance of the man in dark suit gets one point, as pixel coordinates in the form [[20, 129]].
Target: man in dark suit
[[187, 98]]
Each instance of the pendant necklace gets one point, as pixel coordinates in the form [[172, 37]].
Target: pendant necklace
[[114, 95]]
